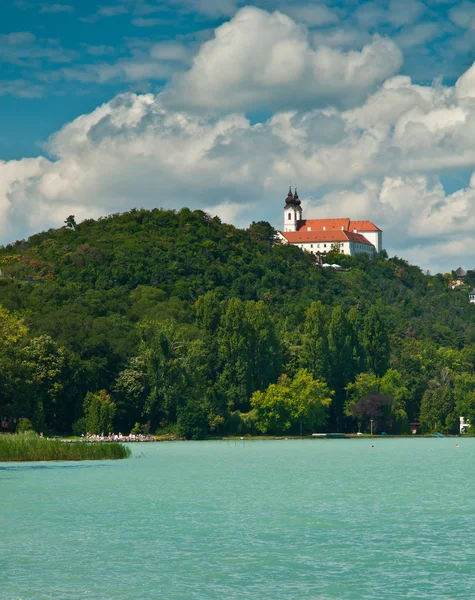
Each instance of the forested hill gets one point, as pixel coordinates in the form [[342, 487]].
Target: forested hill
[[195, 326]]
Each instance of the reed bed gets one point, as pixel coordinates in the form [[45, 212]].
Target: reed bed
[[29, 446]]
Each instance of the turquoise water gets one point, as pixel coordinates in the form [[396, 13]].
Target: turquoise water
[[262, 520]]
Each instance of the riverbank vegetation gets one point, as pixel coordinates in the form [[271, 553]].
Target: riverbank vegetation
[[22, 447], [177, 323]]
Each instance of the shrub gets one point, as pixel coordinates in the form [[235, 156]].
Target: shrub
[[80, 426], [24, 425]]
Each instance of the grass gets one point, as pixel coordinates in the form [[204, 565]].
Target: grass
[[31, 447]]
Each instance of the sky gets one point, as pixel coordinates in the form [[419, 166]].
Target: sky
[[219, 105]]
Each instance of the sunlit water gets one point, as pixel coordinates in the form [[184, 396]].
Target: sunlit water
[[262, 520]]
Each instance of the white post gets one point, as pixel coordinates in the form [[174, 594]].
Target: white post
[[371, 426]]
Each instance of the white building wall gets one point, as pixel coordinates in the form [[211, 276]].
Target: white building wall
[[357, 248], [349, 248], [374, 237], [322, 247]]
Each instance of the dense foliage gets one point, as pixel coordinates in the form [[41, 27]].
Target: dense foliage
[[178, 322]]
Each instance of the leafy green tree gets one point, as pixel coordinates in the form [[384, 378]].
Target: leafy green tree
[[12, 329], [70, 222], [392, 385], [265, 355], [314, 351], [100, 412], [438, 405], [47, 374], [234, 353], [208, 312], [291, 403], [262, 232], [340, 349], [131, 391], [381, 399], [376, 343], [175, 368]]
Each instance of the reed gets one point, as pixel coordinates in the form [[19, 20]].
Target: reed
[[29, 446]]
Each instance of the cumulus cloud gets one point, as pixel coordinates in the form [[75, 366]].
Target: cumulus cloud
[[261, 59]]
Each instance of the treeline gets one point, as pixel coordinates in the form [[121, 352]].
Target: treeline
[[156, 320]]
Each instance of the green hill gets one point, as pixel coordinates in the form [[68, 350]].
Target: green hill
[[182, 319]]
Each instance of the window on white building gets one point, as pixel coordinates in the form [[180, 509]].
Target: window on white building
[[290, 216]]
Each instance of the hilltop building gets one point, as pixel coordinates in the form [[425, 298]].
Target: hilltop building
[[319, 236]]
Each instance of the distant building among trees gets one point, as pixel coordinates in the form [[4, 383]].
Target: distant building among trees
[[319, 236]]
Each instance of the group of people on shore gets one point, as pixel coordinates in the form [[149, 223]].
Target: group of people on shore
[[114, 437]]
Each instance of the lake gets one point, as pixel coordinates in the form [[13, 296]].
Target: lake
[[261, 519]]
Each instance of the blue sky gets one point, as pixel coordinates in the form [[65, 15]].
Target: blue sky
[[221, 76]]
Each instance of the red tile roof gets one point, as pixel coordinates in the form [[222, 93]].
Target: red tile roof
[[363, 226], [335, 235], [329, 224], [334, 224]]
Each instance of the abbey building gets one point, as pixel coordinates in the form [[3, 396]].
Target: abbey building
[[319, 236]]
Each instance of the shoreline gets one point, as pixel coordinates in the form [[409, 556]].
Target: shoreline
[[258, 438]]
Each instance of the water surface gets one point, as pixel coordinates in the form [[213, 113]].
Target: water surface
[[263, 520]]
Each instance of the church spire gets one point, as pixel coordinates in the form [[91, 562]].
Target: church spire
[[290, 197], [296, 196]]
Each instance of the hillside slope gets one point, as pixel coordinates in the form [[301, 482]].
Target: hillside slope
[[235, 310]]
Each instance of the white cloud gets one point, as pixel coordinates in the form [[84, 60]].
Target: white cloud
[[150, 22], [260, 59], [20, 88], [397, 13], [416, 35], [313, 15], [23, 49], [463, 15], [56, 8], [210, 8], [229, 212]]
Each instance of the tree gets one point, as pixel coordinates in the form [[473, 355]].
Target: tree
[[262, 232], [12, 329], [131, 390], [381, 399], [70, 222], [464, 397], [310, 399], [314, 352], [47, 374], [291, 403], [208, 312], [375, 342], [438, 405], [234, 353], [265, 356], [340, 350], [175, 370], [100, 412]]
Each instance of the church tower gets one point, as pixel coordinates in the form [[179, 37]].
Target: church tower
[[292, 211]]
